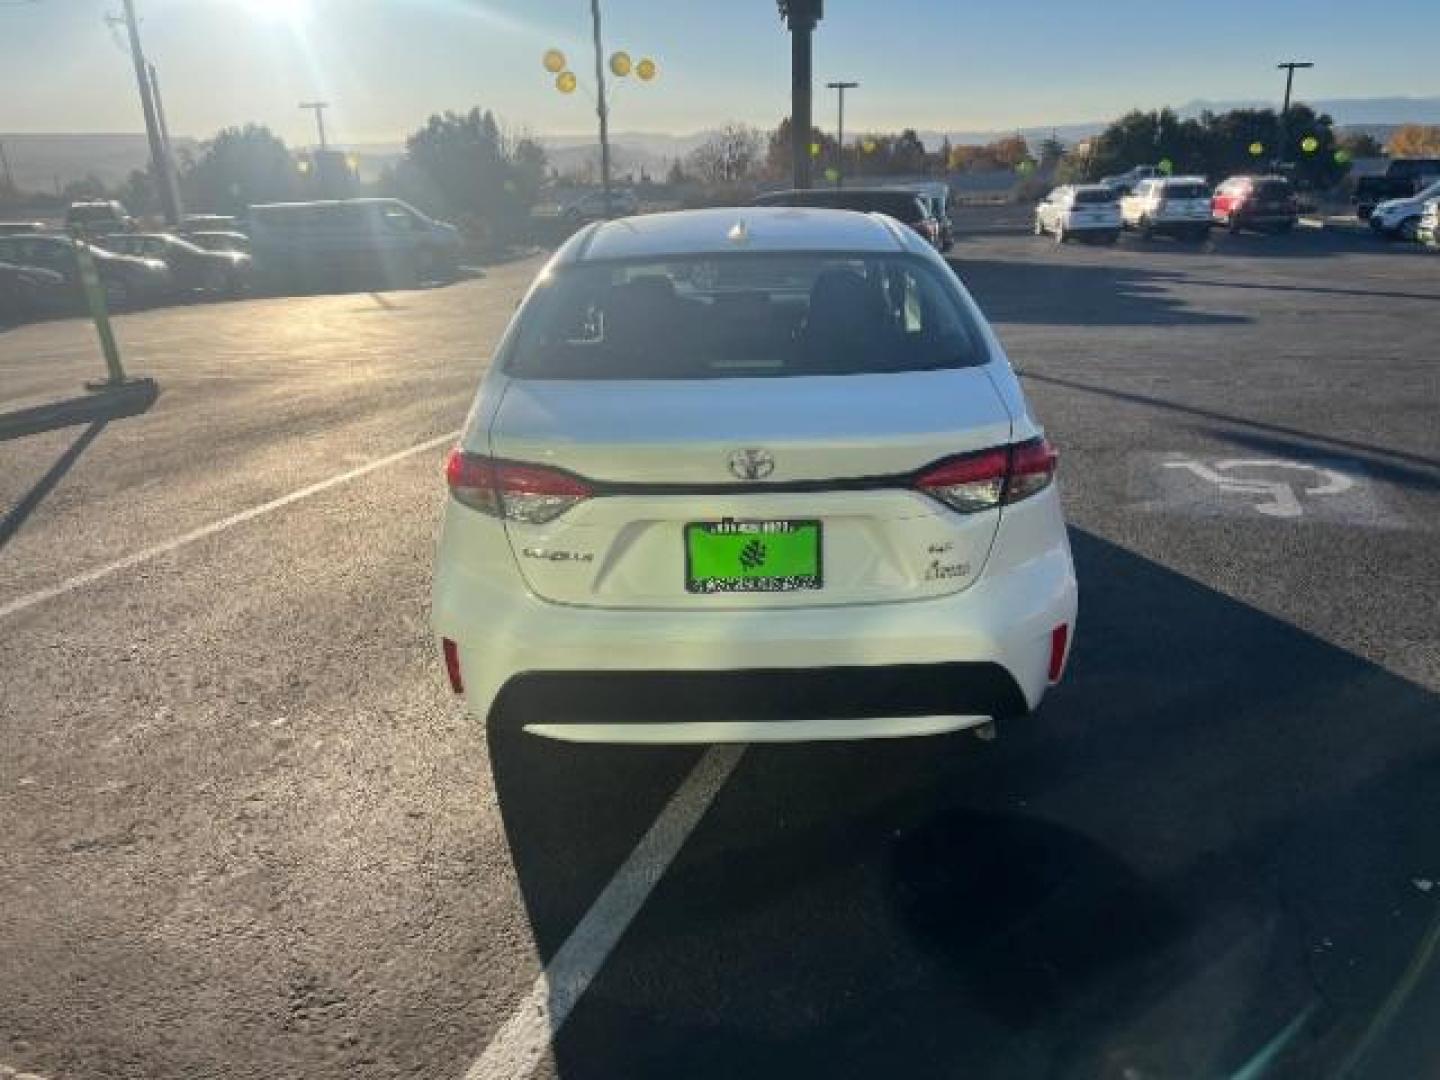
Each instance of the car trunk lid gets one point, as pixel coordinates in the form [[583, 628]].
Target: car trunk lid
[[833, 452]]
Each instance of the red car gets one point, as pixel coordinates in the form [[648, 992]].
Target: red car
[[1255, 202]]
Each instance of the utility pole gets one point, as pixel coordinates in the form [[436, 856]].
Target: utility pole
[[1289, 66], [802, 17], [601, 109], [169, 197], [169, 181], [841, 87], [318, 108]]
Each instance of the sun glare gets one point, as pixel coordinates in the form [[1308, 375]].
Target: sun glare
[[277, 11]]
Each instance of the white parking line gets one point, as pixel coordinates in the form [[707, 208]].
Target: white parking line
[[79, 580], [520, 1044]]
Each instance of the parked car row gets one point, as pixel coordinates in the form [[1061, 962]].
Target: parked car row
[[1180, 206], [283, 247]]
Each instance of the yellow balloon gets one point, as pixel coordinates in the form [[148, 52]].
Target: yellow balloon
[[1256, 149], [1310, 144], [620, 64], [566, 82], [554, 61], [646, 69], [814, 149]]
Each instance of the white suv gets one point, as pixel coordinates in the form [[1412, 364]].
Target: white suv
[[1177, 205], [1400, 218], [1083, 211], [753, 474]]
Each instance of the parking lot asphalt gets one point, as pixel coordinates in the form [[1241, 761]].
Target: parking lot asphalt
[[249, 834]]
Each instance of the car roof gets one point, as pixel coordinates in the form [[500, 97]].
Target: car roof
[[727, 230]]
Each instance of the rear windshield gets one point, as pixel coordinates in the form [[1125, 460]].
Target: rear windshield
[[1186, 191], [1094, 195], [744, 316]]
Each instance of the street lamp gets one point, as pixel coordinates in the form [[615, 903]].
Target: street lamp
[[840, 87], [621, 67], [1289, 67]]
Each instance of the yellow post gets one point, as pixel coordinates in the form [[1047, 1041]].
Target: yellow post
[[95, 301]]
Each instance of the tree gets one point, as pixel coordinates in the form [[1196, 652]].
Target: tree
[[731, 154], [1359, 144], [779, 163], [92, 187], [1052, 152], [139, 193], [1415, 140], [466, 166], [238, 167], [1219, 145], [1009, 152]]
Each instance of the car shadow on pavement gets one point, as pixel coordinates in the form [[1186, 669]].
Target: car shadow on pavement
[[1088, 294], [1209, 414], [1212, 828]]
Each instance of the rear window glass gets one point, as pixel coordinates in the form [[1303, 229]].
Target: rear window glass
[[1186, 191], [1094, 196], [744, 316]]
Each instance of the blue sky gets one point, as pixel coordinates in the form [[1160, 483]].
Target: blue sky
[[940, 64]]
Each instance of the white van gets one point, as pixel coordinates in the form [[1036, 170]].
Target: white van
[[387, 238]]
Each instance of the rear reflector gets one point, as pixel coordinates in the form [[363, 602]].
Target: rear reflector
[[1059, 639], [452, 664], [531, 494], [984, 480]]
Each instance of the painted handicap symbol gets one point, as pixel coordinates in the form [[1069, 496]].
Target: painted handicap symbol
[[1282, 497]]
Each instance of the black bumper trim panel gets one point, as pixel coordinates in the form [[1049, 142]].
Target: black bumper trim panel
[[967, 688]]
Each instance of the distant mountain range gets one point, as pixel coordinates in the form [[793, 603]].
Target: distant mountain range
[[40, 161]]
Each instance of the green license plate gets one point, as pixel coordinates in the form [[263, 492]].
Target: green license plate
[[752, 556]]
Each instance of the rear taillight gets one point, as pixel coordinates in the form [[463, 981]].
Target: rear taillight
[[1032, 467], [1059, 644], [452, 664], [971, 483], [531, 494]]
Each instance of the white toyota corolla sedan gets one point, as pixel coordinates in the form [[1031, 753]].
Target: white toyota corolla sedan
[[757, 474]]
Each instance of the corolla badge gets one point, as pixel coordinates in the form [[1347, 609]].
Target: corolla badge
[[752, 463]]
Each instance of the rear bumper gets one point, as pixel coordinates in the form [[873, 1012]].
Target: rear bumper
[[869, 670]]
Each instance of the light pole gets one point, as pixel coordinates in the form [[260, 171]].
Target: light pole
[[1289, 66], [840, 87], [318, 108]]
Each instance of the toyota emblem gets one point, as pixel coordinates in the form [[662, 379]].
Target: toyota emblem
[[752, 463]]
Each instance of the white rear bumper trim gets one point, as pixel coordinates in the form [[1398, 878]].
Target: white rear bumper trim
[[748, 731]]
